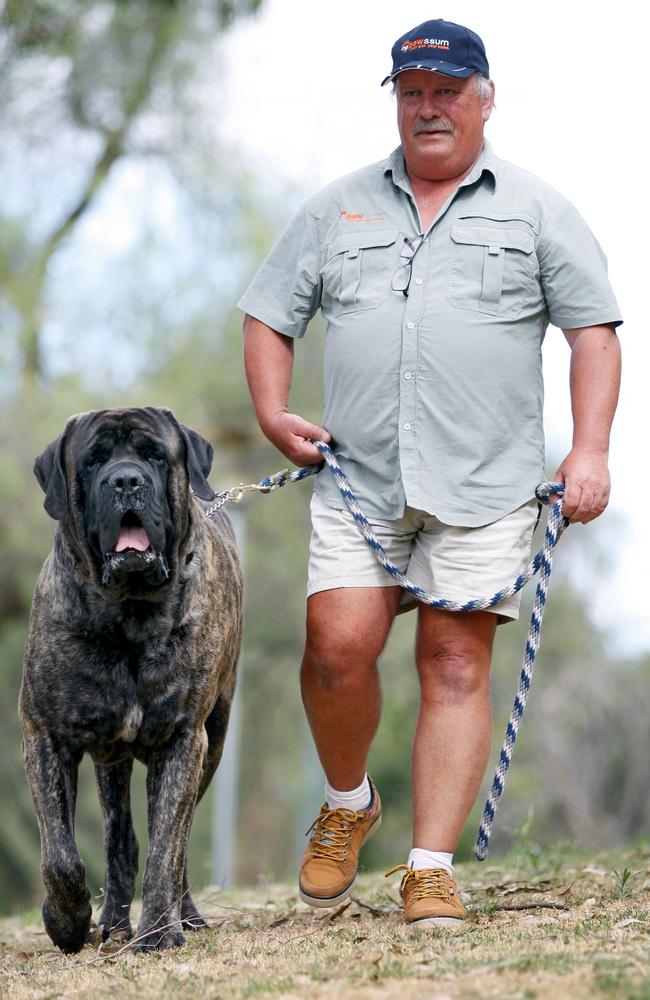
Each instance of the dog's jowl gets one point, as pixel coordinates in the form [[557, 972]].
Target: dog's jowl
[[133, 641]]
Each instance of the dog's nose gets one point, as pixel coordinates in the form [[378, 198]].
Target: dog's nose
[[126, 478]]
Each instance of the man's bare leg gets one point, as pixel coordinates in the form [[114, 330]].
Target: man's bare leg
[[347, 629], [454, 726]]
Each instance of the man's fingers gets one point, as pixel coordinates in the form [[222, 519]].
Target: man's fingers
[[305, 429], [586, 485], [317, 433], [305, 454], [571, 499], [585, 511]]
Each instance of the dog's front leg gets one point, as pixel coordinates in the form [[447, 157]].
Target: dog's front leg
[[52, 775], [172, 784], [120, 846]]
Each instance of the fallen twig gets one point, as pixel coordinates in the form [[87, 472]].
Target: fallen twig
[[337, 913], [543, 904], [376, 911]]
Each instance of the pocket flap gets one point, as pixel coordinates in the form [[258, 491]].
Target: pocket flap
[[489, 233], [362, 241]]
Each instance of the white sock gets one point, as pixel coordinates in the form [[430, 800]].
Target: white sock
[[419, 858], [356, 798]]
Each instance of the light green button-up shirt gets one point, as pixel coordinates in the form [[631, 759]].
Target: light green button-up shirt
[[434, 399]]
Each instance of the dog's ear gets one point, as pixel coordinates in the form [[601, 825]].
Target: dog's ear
[[49, 469], [199, 461]]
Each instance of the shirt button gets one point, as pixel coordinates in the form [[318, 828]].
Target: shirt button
[[407, 427], [418, 281], [410, 326], [408, 375]]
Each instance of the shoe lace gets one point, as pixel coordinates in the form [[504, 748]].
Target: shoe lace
[[423, 883], [333, 829]]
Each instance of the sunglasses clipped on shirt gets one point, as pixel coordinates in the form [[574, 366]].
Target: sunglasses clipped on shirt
[[402, 277]]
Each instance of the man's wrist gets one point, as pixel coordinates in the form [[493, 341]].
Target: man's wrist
[[597, 451], [269, 419]]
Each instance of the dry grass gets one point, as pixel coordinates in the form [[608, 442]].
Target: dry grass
[[590, 939]]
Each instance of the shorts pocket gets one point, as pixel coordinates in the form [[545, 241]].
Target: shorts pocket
[[358, 271], [492, 263]]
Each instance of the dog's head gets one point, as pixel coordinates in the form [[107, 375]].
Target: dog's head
[[119, 483]]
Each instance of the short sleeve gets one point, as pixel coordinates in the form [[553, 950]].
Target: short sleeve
[[285, 292], [573, 270]]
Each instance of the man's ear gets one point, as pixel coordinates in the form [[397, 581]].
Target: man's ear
[[49, 469], [199, 461]]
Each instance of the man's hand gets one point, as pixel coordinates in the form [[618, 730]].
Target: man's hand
[[290, 434], [585, 477]]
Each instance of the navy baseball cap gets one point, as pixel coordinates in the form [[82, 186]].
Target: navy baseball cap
[[442, 47]]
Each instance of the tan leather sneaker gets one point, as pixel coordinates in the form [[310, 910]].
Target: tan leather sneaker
[[431, 898], [329, 866]]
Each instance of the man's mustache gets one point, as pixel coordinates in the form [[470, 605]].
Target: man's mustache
[[431, 125]]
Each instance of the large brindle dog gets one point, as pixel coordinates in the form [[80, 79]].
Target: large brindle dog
[[133, 640]]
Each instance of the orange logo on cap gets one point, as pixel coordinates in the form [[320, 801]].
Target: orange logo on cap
[[425, 43]]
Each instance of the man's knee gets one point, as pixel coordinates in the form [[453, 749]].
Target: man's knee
[[346, 631], [453, 673], [338, 658]]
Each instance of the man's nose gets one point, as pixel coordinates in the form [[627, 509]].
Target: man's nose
[[429, 106]]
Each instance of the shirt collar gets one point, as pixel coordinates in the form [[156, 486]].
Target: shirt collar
[[487, 163]]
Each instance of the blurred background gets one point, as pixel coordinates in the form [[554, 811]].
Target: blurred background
[[150, 152]]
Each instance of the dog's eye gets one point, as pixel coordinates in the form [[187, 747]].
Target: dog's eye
[[152, 454], [96, 457]]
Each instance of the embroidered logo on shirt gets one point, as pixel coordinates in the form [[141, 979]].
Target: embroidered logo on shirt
[[425, 43], [375, 216]]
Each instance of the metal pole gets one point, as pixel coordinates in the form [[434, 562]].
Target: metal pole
[[225, 794]]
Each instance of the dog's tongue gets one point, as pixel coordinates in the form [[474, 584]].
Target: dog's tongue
[[132, 538]]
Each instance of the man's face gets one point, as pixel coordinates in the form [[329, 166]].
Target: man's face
[[440, 121]]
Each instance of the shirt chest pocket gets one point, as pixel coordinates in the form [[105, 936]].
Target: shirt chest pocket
[[492, 264], [359, 269]]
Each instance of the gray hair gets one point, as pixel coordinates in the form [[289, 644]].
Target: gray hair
[[483, 87]]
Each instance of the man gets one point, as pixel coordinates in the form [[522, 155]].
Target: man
[[437, 271]]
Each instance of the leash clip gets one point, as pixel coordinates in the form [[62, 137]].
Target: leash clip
[[237, 493]]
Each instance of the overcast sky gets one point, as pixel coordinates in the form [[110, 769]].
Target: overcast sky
[[301, 97]]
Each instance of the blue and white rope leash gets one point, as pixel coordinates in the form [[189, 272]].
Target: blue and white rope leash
[[542, 562]]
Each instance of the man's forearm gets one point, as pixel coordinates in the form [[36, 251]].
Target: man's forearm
[[268, 359], [594, 380]]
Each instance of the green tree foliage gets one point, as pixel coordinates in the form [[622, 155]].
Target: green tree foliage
[[106, 81]]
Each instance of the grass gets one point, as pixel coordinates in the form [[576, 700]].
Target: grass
[[539, 927]]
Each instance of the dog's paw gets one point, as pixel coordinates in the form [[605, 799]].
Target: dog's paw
[[114, 925], [99, 934], [159, 940], [67, 926], [192, 919]]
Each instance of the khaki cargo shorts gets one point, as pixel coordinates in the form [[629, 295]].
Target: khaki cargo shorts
[[445, 560]]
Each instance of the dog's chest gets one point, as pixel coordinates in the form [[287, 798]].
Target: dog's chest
[[154, 702], [119, 696], [131, 723]]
